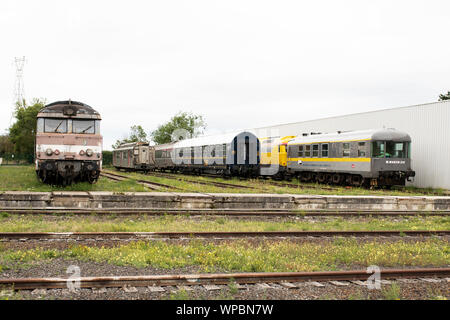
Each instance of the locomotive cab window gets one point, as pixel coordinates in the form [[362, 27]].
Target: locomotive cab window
[[83, 126], [55, 125]]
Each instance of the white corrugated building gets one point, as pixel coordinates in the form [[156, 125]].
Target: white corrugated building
[[427, 124]]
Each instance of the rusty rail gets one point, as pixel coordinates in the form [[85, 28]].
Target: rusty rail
[[220, 212], [224, 278], [8, 236], [149, 184], [202, 182]]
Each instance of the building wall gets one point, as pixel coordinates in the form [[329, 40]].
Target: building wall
[[427, 124]]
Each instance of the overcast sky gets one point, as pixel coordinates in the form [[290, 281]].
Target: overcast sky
[[241, 64]]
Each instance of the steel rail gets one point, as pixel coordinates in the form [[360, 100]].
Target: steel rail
[[203, 182], [220, 212], [8, 236], [149, 184], [223, 278]]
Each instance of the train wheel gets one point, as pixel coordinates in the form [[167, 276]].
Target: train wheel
[[336, 178], [321, 177]]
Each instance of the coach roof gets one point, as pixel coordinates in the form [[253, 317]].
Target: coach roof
[[372, 134]]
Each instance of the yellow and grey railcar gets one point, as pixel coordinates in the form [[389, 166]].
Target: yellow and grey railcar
[[274, 156], [137, 156], [227, 154], [378, 157]]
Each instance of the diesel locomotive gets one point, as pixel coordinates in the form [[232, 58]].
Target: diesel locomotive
[[68, 143]]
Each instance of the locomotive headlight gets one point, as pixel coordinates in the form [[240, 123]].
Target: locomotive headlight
[[81, 152], [57, 152], [89, 152], [49, 152]]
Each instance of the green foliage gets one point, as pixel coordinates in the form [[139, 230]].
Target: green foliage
[[193, 124], [23, 132], [6, 145], [137, 134], [392, 293], [247, 256], [107, 157], [444, 96]]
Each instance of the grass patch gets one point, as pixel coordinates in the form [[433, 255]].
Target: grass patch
[[392, 293], [244, 256], [143, 223], [23, 178]]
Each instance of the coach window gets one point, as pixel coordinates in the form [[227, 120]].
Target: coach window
[[83, 126], [308, 150], [300, 151], [55, 125], [346, 149], [325, 150], [315, 152], [361, 149]]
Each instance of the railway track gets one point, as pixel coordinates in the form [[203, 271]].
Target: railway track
[[223, 184], [213, 183], [286, 279], [302, 186], [218, 212], [145, 183], [24, 236]]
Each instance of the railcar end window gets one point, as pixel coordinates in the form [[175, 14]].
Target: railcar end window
[[378, 149], [396, 149]]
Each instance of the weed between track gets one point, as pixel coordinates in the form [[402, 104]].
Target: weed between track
[[245, 256], [136, 223]]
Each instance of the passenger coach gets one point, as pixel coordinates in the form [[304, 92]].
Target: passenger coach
[[138, 156], [227, 154]]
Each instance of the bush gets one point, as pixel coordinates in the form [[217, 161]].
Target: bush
[[107, 157]]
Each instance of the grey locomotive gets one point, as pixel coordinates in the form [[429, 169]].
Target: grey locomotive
[[378, 157]]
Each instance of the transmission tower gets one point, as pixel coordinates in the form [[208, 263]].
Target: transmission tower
[[19, 94]]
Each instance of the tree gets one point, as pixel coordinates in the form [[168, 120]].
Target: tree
[[6, 146], [137, 134], [191, 123], [443, 97], [23, 132]]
